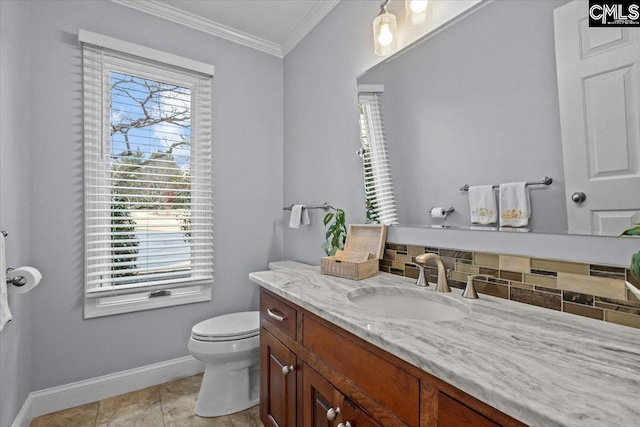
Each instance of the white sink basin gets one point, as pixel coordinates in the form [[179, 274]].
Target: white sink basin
[[406, 303]]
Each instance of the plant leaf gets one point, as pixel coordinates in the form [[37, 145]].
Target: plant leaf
[[635, 266], [328, 217], [635, 231]]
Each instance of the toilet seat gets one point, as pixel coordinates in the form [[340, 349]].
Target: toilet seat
[[229, 327]]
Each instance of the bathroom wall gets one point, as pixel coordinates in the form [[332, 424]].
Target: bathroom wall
[[247, 139], [15, 339], [321, 138]]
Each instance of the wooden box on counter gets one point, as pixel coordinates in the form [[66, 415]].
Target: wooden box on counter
[[363, 240]]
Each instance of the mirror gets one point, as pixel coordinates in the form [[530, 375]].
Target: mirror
[[488, 100]]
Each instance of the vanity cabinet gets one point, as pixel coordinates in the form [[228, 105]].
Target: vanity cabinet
[[315, 374]]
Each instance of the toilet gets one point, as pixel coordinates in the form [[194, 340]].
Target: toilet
[[230, 346]]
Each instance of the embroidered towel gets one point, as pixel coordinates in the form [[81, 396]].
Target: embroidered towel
[[299, 216], [482, 202], [5, 314], [515, 208]]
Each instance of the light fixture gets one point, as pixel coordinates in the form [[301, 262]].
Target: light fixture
[[384, 31], [415, 11]]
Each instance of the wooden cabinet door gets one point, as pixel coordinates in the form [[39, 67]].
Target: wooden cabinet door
[[321, 401], [319, 397], [278, 375], [353, 416], [452, 413]]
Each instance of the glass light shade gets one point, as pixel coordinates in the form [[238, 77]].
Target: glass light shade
[[415, 11], [384, 33]]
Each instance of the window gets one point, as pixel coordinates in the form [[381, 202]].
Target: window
[[378, 185], [147, 178]]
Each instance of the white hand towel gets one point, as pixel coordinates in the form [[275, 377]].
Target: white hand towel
[[482, 202], [515, 208], [305, 216], [299, 216], [5, 314]]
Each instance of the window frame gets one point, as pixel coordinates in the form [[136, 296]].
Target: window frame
[[146, 63]]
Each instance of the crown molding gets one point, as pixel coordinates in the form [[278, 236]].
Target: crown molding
[[191, 20], [315, 15]]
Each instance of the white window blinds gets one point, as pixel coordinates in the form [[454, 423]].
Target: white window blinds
[[147, 175], [378, 185]]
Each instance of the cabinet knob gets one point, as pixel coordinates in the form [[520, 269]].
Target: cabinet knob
[[286, 370], [333, 413], [345, 424]]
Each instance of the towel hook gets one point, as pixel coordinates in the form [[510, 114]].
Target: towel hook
[[5, 234]]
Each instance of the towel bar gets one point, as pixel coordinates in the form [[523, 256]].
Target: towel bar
[[325, 206], [545, 181]]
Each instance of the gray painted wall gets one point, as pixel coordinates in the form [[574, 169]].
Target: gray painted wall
[[321, 137], [486, 114], [15, 339], [247, 138]]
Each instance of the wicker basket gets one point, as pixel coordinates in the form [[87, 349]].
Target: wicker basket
[[360, 238]]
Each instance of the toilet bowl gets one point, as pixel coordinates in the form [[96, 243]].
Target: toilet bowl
[[229, 345]]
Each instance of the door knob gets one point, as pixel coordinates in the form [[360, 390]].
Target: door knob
[[332, 414], [578, 197], [345, 424], [286, 370]]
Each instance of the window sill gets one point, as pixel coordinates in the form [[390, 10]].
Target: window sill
[[101, 307]]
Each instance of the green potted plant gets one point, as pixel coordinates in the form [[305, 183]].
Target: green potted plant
[[336, 233], [635, 261]]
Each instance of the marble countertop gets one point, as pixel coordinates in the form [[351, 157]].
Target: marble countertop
[[542, 367]]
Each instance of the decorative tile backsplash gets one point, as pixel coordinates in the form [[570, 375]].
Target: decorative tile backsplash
[[589, 290]]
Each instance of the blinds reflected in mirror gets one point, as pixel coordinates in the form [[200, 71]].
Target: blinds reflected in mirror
[[378, 184]]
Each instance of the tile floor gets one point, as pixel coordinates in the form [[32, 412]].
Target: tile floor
[[170, 404]]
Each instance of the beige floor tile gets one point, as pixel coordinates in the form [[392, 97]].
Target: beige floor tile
[[147, 413], [183, 385], [179, 397], [80, 416], [248, 418], [171, 403], [196, 421], [127, 399]]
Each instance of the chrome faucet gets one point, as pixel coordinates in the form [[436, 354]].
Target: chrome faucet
[[470, 290], [442, 285], [421, 280]]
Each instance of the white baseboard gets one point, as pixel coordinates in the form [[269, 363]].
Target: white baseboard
[[79, 393], [23, 419]]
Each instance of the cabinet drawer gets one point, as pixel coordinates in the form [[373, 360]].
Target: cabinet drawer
[[393, 387], [279, 314], [452, 413]]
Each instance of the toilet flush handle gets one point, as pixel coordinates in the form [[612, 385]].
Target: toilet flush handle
[[286, 370]]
